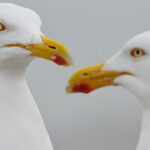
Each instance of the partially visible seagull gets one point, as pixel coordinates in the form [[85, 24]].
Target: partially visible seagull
[[21, 40], [129, 68]]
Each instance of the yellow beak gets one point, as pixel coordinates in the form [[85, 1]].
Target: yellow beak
[[91, 78], [49, 49]]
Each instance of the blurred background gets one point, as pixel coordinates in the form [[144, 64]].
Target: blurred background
[[93, 30]]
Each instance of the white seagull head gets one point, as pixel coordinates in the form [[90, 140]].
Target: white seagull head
[[129, 68], [21, 38]]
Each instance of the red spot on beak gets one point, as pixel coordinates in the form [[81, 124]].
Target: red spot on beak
[[82, 87], [60, 60]]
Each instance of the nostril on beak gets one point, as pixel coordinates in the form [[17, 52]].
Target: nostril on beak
[[53, 47], [85, 74]]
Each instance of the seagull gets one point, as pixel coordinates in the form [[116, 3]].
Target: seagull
[[21, 41], [129, 68]]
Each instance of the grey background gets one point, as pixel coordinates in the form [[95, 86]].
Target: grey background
[[109, 118]]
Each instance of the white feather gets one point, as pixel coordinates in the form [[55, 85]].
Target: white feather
[[139, 84], [21, 124]]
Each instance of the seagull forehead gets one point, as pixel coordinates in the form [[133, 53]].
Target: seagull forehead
[[13, 15], [142, 41]]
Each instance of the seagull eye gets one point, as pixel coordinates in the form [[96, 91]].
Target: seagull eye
[[137, 52], [2, 27]]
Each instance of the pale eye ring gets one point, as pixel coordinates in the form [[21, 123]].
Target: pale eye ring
[[137, 52], [2, 27]]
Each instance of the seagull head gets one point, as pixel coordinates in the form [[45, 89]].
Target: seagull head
[[130, 68], [21, 38]]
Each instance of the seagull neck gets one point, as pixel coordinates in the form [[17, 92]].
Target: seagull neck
[[146, 119], [144, 99], [146, 112], [14, 70], [145, 131], [145, 126], [21, 120]]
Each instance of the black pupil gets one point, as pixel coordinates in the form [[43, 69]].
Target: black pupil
[[137, 52]]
